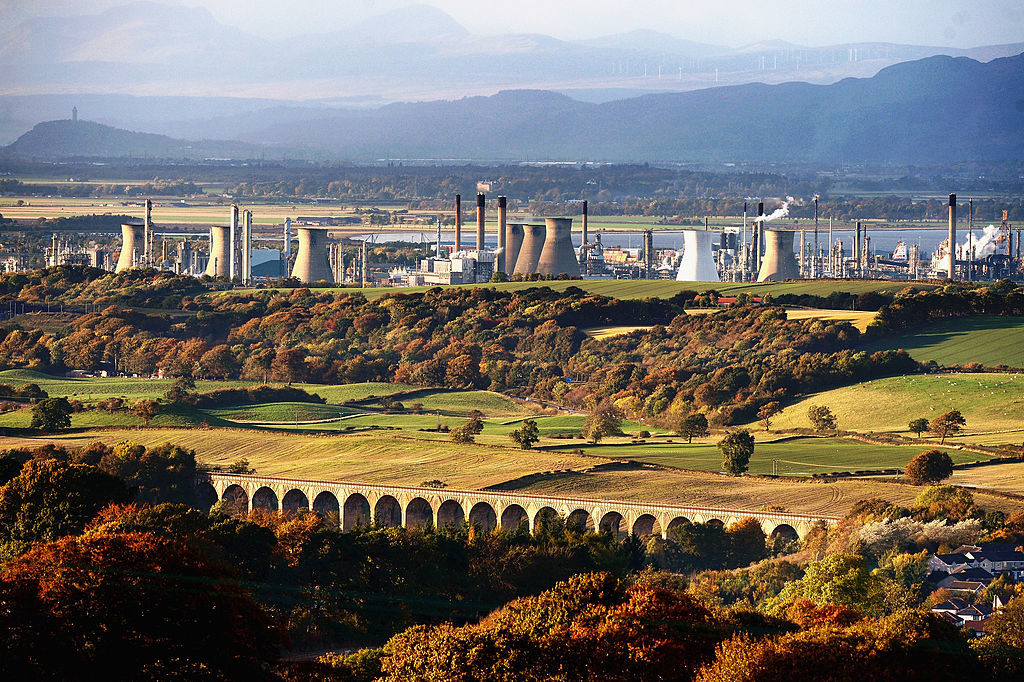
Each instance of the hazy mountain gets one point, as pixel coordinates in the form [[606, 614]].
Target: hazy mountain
[[413, 54], [936, 110], [54, 140]]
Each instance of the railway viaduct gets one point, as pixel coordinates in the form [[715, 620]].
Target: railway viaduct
[[348, 504]]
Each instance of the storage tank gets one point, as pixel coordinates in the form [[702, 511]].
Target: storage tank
[[133, 244], [530, 250], [219, 264], [778, 262], [558, 257], [513, 245], [311, 264], [698, 261]]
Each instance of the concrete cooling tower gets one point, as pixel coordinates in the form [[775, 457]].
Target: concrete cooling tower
[[778, 263], [311, 259], [219, 264], [513, 245], [698, 262], [558, 256], [529, 252], [133, 244]]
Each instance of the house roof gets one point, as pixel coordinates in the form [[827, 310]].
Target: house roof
[[952, 604], [966, 586]]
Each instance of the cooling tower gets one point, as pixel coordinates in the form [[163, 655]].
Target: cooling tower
[[219, 264], [133, 243], [698, 262], [311, 264], [558, 256], [530, 250], [513, 245], [502, 218], [778, 262]]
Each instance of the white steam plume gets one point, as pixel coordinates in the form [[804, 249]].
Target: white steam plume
[[985, 245], [780, 212]]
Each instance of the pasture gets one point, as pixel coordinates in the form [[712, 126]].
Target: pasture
[[988, 340], [991, 403]]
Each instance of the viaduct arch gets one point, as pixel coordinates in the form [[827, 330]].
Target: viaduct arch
[[345, 505]]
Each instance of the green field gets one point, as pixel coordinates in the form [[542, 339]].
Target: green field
[[989, 340], [990, 403], [797, 456]]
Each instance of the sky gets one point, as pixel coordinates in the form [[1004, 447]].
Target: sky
[[947, 23]]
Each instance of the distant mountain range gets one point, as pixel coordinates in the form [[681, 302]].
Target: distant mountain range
[[177, 56], [935, 110]]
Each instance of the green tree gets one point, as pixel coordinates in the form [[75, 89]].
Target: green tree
[[949, 502], [691, 425], [49, 499], [146, 409], [918, 426], [736, 448], [822, 418], [767, 411], [932, 466], [948, 424], [603, 421], [526, 435], [51, 415]]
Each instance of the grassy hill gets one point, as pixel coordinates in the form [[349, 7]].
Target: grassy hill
[[993, 404], [990, 340]]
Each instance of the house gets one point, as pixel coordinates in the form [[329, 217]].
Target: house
[[964, 614], [995, 557]]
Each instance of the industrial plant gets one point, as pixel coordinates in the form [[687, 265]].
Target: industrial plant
[[752, 250]]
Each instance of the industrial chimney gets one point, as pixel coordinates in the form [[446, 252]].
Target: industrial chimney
[[558, 256], [148, 247], [952, 236], [458, 222], [698, 261], [778, 262], [233, 244], [584, 229], [220, 253], [758, 236], [133, 237], [502, 217], [530, 250], [513, 246], [480, 235], [311, 264], [648, 253]]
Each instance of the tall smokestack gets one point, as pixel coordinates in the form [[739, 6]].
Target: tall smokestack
[[952, 236], [856, 250], [758, 235], [147, 248], [480, 221], [814, 254], [502, 224], [648, 253], [458, 222], [585, 216], [287, 241], [233, 243]]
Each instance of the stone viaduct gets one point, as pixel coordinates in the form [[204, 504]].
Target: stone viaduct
[[348, 504]]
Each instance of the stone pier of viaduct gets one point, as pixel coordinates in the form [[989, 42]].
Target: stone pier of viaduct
[[348, 504]]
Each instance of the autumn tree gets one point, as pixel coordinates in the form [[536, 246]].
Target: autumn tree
[[932, 466], [767, 412], [51, 415], [467, 432], [918, 426], [948, 424], [526, 435], [736, 447], [128, 605], [145, 409], [693, 425], [603, 421], [822, 418]]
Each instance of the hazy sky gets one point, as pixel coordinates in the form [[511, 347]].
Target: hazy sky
[[954, 23]]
